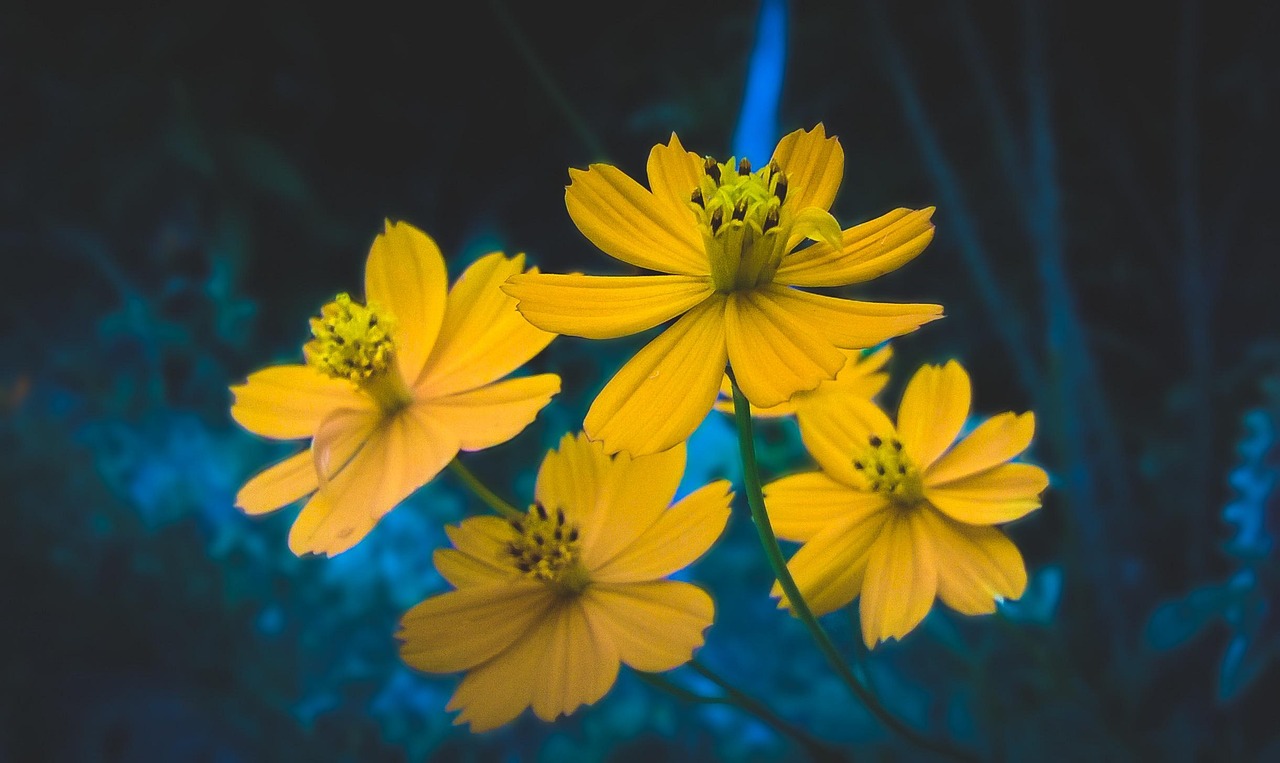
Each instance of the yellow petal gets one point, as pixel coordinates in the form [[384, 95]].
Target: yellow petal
[[480, 552], [851, 324], [814, 224], [604, 307], [829, 568], [934, 407], [865, 252], [579, 665], [773, 354], [1000, 494], [483, 336], [402, 454], [612, 499], [571, 477], [980, 565], [901, 580], [495, 692], [859, 377], [655, 626], [461, 629], [673, 174], [340, 436], [802, 505], [287, 402], [405, 274], [626, 222], [837, 429], [279, 485], [680, 535], [993, 442], [814, 166], [663, 393], [484, 417]]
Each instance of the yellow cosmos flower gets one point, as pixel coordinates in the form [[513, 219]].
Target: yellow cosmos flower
[[729, 241], [899, 516], [392, 390], [862, 375], [547, 607]]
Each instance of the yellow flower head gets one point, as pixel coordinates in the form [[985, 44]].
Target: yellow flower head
[[900, 515], [392, 389], [547, 607], [733, 244]]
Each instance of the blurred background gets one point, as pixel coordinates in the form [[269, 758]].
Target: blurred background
[[181, 187]]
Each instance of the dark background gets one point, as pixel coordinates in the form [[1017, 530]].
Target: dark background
[[181, 187]]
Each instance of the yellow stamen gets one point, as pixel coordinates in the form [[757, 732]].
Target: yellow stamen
[[743, 220], [353, 341], [548, 549], [890, 472]]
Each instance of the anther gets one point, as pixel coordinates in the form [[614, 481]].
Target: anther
[[897, 444], [740, 209], [780, 190], [542, 511], [712, 169], [573, 534], [560, 517], [744, 167], [717, 217], [875, 441], [859, 465], [880, 469], [517, 525], [696, 198], [770, 220]]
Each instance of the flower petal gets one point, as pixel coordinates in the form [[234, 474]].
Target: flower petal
[[340, 436], [836, 430], [860, 377], [802, 505], [982, 565], [993, 442], [464, 571], [1000, 494], [604, 307], [480, 551], [867, 251], [279, 485], [773, 355], [579, 665], [829, 568], [490, 415], [460, 629], [287, 402], [934, 407], [612, 499], [401, 455], [849, 323], [681, 534], [724, 403], [663, 393], [814, 166], [405, 274], [674, 172], [483, 336], [655, 626], [495, 692], [901, 579], [628, 223]]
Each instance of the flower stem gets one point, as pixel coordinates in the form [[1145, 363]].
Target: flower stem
[[799, 607], [818, 750], [477, 487]]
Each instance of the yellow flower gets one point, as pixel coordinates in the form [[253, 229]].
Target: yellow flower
[[861, 376], [729, 241], [899, 516], [547, 607], [392, 390]]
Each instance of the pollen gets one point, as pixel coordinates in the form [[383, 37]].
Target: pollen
[[889, 471], [352, 341], [547, 548]]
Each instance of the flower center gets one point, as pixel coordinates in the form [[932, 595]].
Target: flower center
[[546, 548], [743, 221], [352, 341], [890, 472]]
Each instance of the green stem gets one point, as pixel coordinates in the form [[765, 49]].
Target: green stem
[[799, 607], [477, 487], [816, 749]]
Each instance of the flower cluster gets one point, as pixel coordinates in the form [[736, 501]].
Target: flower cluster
[[547, 603]]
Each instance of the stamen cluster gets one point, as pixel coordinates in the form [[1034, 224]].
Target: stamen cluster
[[546, 548], [741, 215], [352, 341], [889, 471]]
